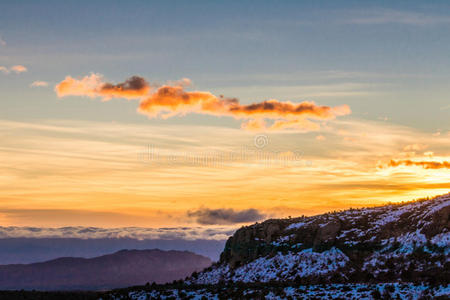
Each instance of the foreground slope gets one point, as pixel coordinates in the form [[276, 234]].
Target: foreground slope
[[405, 242], [120, 269]]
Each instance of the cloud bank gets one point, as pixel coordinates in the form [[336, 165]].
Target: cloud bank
[[139, 233], [207, 216], [173, 99]]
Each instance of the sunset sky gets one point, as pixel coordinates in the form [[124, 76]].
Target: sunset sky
[[209, 113]]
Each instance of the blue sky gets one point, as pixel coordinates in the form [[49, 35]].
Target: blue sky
[[394, 54]]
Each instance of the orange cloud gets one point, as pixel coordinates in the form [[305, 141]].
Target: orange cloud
[[19, 69], [172, 99], [93, 86], [423, 164], [175, 100]]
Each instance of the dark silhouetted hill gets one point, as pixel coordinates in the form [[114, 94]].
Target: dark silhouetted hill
[[120, 269]]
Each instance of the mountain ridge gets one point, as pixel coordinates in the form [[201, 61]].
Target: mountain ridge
[[119, 269]]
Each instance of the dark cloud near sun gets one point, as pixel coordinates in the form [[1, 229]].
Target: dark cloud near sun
[[206, 216]]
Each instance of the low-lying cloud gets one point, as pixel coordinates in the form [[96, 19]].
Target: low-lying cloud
[[423, 164], [206, 216], [173, 99], [139, 233]]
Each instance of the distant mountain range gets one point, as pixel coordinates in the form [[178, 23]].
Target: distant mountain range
[[398, 250], [26, 250], [120, 269]]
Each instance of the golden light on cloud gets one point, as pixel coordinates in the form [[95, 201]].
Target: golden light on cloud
[[171, 100], [423, 164]]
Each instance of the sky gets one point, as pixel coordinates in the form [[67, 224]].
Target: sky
[[215, 114]]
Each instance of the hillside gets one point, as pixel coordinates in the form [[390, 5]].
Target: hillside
[[402, 248], [120, 269], [409, 242]]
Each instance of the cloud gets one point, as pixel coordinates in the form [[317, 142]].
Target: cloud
[[173, 99], [388, 16], [423, 164], [133, 87], [2, 42], [206, 216], [39, 84], [94, 86], [16, 69]]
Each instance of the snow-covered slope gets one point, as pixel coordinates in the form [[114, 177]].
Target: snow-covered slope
[[325, 291], [403, 242]]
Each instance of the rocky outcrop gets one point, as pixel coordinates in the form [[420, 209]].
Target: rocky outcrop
[[244, 245]]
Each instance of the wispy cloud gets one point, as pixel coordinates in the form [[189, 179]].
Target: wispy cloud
[[388, 16], [39, 83], [2, 41], [206, 216], [171, 100], [15, 69]]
